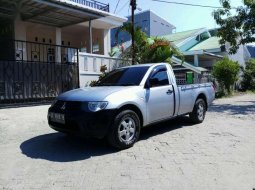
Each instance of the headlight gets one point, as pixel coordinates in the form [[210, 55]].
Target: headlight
[[97, 106]]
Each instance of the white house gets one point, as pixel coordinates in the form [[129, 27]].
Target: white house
[[43, 43]]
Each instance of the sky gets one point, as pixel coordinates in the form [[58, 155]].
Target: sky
[[183, 17]]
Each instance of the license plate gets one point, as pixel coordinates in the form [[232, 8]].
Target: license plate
[[57, 117]]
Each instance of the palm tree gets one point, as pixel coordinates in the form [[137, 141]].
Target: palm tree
[[148, 50]]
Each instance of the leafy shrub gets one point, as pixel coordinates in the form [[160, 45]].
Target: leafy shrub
[[94, 82], [248, 82], [226, 73]]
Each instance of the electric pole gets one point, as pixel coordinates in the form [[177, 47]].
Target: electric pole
[[133, 6]]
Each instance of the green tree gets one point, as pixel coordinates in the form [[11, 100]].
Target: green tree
[[148, 50], [236, 27], [226, 73], [248, 82]]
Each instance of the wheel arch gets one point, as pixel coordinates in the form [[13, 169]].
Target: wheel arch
[[135, 109], [203, 96]]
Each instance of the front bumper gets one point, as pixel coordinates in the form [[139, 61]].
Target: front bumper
[[82, 123]]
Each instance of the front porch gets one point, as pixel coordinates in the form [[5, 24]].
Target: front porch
[[83, 24], [40, 41], [202, 58]]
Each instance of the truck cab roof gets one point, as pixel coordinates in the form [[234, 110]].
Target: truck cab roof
[[146, 65]]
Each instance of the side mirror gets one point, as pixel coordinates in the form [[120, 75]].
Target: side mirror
[[151, 82]]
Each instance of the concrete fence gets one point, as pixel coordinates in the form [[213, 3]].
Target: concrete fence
[[90, 66], [90, 69]]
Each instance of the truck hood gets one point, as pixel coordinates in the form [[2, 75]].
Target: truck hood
[[90, 93]]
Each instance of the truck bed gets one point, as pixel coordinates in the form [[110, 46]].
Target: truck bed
[[189, 92]]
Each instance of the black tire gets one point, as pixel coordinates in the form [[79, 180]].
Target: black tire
[[198, 113], [124, 136]]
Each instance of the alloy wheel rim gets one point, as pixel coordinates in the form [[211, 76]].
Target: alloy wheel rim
[[126, 129], [200, 111]]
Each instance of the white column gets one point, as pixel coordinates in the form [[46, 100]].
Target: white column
[[107, 41], [20, 29], [58, 42], [90, 38], [196, 60]]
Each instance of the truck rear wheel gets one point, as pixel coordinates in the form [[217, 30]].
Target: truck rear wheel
[[198, 113], [125, 130]]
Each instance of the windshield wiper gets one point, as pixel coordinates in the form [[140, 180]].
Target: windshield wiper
[[105, 84], [127, 84], [115, 84]]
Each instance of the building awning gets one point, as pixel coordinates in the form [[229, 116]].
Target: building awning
[[201, 53], [58, 13], [186, 65], [202, 56]]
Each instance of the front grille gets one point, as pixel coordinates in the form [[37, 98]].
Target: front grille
[[69, 105], [59, 104]]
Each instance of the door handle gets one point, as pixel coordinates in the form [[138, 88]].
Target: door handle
[[169, 92]]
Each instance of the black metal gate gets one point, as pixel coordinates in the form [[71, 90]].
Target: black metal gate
[[37, 72]]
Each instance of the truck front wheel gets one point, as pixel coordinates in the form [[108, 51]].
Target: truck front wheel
[[125, 130], [198, 113]]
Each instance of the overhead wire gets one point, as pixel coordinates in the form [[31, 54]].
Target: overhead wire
[[116, 6], [123, 6], [190, 4]]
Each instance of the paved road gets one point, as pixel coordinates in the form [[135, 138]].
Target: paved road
[[217, 154]]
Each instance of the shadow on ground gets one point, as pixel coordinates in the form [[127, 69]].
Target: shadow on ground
[[59, 147], [234, 109]]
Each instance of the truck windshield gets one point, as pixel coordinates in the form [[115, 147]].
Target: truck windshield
[[131, 76]]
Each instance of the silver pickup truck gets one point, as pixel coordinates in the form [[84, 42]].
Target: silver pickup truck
[[127, 99]]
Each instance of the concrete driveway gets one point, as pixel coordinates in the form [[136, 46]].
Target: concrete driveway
[[217, 154]]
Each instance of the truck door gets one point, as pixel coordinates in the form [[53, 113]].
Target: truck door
[[159, 95]]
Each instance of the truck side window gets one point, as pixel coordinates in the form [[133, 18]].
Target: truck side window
[[159, 78]]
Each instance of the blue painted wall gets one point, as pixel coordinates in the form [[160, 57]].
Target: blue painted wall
[[151, 24]]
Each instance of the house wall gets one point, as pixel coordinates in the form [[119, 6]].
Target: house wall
[[151, 24], [201, 60], [70, 36], [207, 64], [43, 33], [159, 26], [74, 36], [78, 36], [143, 20], [241, 56], [20, 33], [90, 64], [20, 29]]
